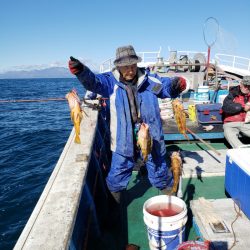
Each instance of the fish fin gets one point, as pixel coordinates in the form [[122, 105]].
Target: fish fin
[[72, 116]]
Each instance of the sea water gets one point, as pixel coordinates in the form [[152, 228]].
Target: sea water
[[32, 137]]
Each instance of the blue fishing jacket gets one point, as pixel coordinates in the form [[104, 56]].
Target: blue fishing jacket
[[150, 88]]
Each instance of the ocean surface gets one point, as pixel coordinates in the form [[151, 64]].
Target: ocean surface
[[32, 137]]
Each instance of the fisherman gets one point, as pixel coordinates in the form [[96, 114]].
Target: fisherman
[[235, 106], [133, 94]]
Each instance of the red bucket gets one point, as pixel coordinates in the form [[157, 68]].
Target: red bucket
[[194, 245]]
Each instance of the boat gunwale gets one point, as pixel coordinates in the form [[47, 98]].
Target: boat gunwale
[[52, 221]]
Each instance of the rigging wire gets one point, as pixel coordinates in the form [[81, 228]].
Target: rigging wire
[[45, 100], [33, 100], [84, 103]]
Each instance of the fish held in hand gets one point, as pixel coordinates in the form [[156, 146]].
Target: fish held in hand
[[180, 117], [144, 141], [75, 112], [176, 167]]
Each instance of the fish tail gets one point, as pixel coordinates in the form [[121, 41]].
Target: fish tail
[[174, 189], [176, 183], [176, 170], [77, 131], [77, 139], [145, 158]]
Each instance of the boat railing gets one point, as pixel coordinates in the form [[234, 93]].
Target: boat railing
[[233, 61], [190, 54], [148, 57]]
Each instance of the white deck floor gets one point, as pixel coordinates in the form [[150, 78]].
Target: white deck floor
[[204, 163]]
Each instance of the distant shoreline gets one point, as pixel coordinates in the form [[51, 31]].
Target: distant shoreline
[[53, 72]]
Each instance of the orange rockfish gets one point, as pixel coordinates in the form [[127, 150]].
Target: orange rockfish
[[176, 167], [180, 117], [144, 141], [75, 112]]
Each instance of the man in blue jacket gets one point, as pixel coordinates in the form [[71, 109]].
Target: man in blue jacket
[[133, 93]]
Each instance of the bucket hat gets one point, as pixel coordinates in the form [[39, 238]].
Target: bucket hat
[[246, 80], [125, 56]]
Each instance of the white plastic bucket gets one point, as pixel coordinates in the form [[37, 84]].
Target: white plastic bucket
[[165, 232]]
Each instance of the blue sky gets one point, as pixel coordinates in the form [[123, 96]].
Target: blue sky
[[46, 32]]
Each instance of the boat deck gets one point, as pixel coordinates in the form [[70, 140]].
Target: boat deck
[[193, 188], [203, 177], [203, 163], [73, 211], [207, 182], [171, 132], [233, 232], [133, 230]]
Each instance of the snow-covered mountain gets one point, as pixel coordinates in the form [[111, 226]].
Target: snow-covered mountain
[[51, 72]]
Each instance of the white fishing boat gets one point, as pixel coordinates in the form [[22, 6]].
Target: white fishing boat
[[72, 212]]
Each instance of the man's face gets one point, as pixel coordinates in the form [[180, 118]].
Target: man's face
[[128, 72], [245, 89]]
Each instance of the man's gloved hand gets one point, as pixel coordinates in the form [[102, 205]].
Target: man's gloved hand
[[179, 84], [75, 66]]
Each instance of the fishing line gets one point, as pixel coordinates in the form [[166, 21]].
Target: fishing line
[[85, 104], [27, 101], [19, 110], [32, 100], [43, 100]]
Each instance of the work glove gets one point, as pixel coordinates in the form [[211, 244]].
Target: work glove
[[178, 84], [75, 66]]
